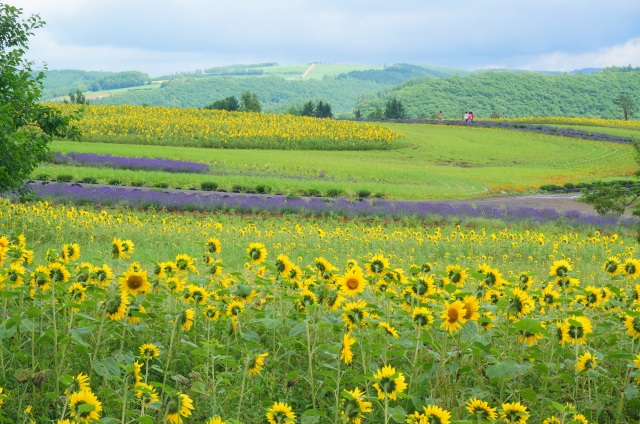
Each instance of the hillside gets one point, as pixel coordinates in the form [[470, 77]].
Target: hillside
[[513, 94], [278, 87]]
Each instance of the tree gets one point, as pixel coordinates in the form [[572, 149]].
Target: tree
[[250, 102], [308, 109], [323, 110], [26, 126], [230, 103], [394, 109], [77, 98], [627, 104]]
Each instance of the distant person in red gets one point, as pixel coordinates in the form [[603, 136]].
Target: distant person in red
[[440, 116], [471, 117]]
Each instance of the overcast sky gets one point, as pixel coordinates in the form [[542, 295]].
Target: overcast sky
[[166, 36]]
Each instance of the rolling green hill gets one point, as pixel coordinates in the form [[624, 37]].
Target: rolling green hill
[[513, 94]]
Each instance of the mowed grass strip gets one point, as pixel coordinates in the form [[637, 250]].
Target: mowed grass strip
[[437, 163]]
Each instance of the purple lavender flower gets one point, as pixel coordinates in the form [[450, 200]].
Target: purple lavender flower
[[121, 162]]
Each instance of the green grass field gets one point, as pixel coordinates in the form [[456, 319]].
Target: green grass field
[[434, 163]]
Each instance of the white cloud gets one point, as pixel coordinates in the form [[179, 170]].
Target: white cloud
[[619, 55]]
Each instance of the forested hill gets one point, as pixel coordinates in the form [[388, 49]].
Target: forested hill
[[511, 94]]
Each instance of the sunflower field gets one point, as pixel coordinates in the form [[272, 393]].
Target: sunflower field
[[117, 316], [222, 129]]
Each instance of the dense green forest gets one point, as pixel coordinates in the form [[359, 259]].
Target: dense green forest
[[423, 91], [513, 94]]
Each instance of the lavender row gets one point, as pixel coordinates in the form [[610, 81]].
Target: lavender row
[[121, 162], [536, 128], [185, 200]]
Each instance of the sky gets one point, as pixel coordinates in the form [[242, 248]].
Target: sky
[[162, 37]]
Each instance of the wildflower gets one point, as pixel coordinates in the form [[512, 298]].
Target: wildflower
[[353, 405], [256, 364], [389, 383], [280, 413]]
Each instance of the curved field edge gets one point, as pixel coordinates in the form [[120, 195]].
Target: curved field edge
[[437, 163]]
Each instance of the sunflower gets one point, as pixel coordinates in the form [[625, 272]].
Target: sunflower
[[453, 316], [146, 394], [134, 282], [103, 274], [481, 409], [631, 268], [586, 361], [456, 275], [492, 277], [197, 294], [346, 354], [149, 351], [137, 371], [186, 319], [83, 272], [353, 405], [76, 292], [352, 283], [492, 296], [514, 412], [520, 303], [575, 330], [215, 420], [234, 308], [58, 272], [85, 406], [471, 306], [389, 329], [636, 363], [324, 268], [431, 414], [524, 281], [257, 253], [116, 305], [378, 266], [333, 300], [354, 314], [118, 250], [186, 263], [280, 413], [70, 252], [306, 298], [529, 337], [560, 268], [135, 313], [632, 323], [15, 274], [179, 406], [213, 245], [283, 265], [174, 284], [256, 363], [549, 297], [211, 313], [389, 383], [79, 383], [422, 316], [552, 420], [612, 266]]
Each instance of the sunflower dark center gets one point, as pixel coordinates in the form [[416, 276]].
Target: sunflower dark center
[[134, 282], [353, 283]]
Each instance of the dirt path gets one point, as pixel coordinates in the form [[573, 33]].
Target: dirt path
[[308, 70]]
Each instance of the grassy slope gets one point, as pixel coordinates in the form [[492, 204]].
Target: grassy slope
[[437, 163]]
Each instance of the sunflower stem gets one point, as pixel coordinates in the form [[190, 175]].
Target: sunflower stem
[[170, 351], [95, 351], [310, 357], [56, 361], [124, 400], [242, 386]]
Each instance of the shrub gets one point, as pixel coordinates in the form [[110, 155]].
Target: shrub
[[334, 192], [64, 178], [89, 180], [45, 177], [115, 181], [137, 183], [209, 186], [379, 195], [237, 188], [161, 185], [569, 186], [263, 189], [313, 192], [363, 194]]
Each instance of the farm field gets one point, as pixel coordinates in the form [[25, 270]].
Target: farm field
[[427, 162], [112, 314]]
